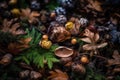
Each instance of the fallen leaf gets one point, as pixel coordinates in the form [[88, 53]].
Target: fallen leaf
[[58, 75], [30, 15], [12, 28], [115, 60], [17, 47]]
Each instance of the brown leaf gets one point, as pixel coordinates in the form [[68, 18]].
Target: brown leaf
[[6, 59], [58, 75], [102, 45], [11, 28], [88, 33], [116, 60], [89, 47], [86, 40], [96, 37], [31, 16], [26, 40], [16, 47], [95, 5], [59, 34]]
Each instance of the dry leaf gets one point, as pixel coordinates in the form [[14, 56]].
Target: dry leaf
[[6, 59], [59, 34], [116, 60], [95, 5], [31, 16], [15, 47], [35, 75], [12, 28], [58, 75], [92, 39]]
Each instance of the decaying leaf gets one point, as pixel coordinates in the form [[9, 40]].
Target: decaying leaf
[[24, 74], [92, 39], [6, 59], [115, 60], [95, 5], [35, 75], [76, 26], [16, 47], [78, 68], [8, 26], [59, 34], [58, 75], [30, 15]]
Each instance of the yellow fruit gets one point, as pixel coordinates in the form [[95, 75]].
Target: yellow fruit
[[69, 25], [84, 59], [12, 2], [15, 12], [45, 44], [45, 37], [73, 41]]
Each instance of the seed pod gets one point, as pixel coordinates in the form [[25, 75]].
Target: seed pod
[[6, 59], [61, 19], [35, 75], [24, 74], [35, 5], [60, 11]]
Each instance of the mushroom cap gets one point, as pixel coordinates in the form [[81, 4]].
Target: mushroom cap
[[63, 51]]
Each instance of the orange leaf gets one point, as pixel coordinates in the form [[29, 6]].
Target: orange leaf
[[58, 75]]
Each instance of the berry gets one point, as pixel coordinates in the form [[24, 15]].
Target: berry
[[45, 37], [84, 59], [73, 41]]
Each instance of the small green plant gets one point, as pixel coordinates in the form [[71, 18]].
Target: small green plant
[[36, 54], [91, 75]]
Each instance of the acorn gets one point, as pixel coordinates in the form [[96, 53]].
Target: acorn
[[45, 44], [73, 41], [45, 37], [84, 59], [69, 25], [13, 2], [79, 68], [15, 12]]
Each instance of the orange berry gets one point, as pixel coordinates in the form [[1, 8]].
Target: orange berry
[[45, 37], [73, 41], [84, 59]]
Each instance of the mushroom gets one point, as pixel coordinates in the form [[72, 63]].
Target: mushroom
[[63, 51]]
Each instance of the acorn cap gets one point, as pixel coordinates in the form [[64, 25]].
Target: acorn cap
[[63, 51]]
